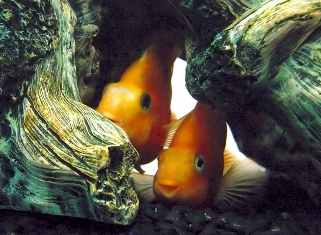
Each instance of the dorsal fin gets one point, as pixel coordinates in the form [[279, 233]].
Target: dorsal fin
[[170, 130]]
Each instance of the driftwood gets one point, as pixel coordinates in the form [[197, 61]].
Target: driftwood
[[264, 71], [58, 156]]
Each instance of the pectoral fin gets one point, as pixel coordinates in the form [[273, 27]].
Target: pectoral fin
[[143, 185], [242, 180]]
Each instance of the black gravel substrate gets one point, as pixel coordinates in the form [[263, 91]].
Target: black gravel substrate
[[283, 210]]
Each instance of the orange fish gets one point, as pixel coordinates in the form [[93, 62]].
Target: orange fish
[[140, 101], [194, 159], [195, 169]]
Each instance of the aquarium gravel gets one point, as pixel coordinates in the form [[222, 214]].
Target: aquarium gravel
[[283, 210]]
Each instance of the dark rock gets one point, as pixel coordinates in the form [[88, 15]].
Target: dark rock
[[224, 232], [175, 214], [229, 222], [155, 211], [209, 216], [209, 229], [141, 228], [179, 227]]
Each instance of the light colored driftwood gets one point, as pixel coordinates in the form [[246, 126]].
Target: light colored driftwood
[[58, 155]]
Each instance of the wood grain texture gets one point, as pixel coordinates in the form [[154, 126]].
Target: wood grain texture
[[264, 71], [60, 156]]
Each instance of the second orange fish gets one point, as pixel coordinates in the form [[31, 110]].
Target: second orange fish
[[140, 101]]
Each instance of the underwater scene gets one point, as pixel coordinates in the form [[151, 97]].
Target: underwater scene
[[160, 117]]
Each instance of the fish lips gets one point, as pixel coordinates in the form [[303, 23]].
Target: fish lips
[[165, 193], [111, 117], [176, 194], [165, 190]]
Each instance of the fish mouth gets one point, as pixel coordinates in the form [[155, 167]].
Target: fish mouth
[[112, 118], [118, 123], [166, 189]]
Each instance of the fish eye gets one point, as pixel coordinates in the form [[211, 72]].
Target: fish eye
[[199, 163], [145, 101]]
